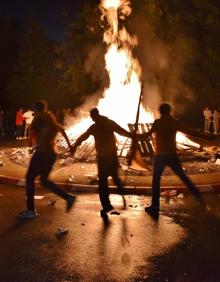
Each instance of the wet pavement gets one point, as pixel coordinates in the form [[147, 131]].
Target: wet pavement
[[181, 245]]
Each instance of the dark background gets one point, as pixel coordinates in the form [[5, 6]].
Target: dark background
[[45, 47]]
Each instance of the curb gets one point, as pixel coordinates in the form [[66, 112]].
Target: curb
[[135, 190]]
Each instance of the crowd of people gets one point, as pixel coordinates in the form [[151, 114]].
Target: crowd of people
[[16, 123]]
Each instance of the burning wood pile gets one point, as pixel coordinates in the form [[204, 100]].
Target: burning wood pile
[[193, 153]]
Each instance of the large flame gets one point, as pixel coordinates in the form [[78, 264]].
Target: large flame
[[120, 99]]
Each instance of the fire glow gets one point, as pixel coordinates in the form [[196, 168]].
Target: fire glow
[[120, 99]]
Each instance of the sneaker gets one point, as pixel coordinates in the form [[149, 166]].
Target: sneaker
[[152, 209], [69, 203], [27, 214]]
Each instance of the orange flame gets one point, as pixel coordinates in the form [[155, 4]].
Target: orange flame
[[120, 99]]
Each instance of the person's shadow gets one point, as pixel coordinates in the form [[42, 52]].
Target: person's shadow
[[18, 223]]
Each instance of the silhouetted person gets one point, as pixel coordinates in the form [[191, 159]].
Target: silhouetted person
[[103, 131], [19, 124], [216, 116], [28, 117], [165, 129], [207, 113], [44, 129]]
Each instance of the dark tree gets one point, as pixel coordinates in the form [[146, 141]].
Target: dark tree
[[9, 33], [34, 76], [83, 34]]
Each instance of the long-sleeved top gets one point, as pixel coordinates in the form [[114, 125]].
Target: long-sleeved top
[[165, 129], [103, 131]]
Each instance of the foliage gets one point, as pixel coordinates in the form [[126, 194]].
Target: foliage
[[34, 75], [82, 34], [10, 31]]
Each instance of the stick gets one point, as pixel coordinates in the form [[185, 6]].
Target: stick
[[134, 141]]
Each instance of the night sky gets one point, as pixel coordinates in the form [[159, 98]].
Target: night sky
[[47, 12]]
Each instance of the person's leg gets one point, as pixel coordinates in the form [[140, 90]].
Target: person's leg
[[118, 183], [32, 173], [177, 168], [158, 168], [28, 131], [216, 125], [205, 125], [103, 184], [47, 162], [25, 130], [120, 186], [113, 171], [208, 125]]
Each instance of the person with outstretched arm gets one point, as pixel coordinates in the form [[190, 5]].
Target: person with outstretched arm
[[164, 130], [44, 129], [103, 130]]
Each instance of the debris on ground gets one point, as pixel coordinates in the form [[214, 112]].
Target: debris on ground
[[115, 213], [93, 180], [39, 197], [195, 160], [71, 178], [52, 202], [61, 231]]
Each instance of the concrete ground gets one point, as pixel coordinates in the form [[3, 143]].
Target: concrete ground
[[181, 245]]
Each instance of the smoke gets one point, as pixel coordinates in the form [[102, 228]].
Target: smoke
[[82, 112], [95, 66], [163, 67]]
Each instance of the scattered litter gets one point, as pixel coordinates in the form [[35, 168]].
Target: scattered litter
[[39, 197], [61, 162], [21, 182], [68, 161], [71, 178], [115, 212], [180, 196], [173, 192], [213, 160], [61, 231], [52, 202], [166, 194], [217, 162], [93, 180]]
